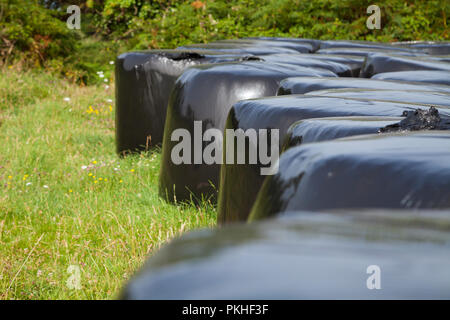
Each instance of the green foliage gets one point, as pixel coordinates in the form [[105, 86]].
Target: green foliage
[[201, 21], [37, 35]]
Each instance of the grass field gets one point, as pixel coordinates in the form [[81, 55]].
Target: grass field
[[66, 198]]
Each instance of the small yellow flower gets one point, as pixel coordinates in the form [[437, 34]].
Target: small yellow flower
[[9, 177], [93, 177], [106, 179], [100, 179], [95, 181], [121, 181], [132, 170], [94, 162], [110, 108], [90, 109], [90, 174], [70, 190]]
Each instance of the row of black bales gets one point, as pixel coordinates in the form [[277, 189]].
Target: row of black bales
[[145, 79], [206, 93], [280, 113], [346, 144], [396, 170]]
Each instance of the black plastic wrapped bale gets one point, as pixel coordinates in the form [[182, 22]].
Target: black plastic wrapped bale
[[353, 62], [422, 98], [257, 48], [441, 58], [323, 129], [306, 255], [302, 85], [341, 44], [309, 61], [430, 47], [364, 52], [206, 93], [144, 81], [426, 76], [315, 44], [380, 63], [300, 47], [396, 170], [240, 183]]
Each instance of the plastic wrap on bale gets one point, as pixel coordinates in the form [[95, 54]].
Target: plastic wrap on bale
[[206, 93], [396, 170], [323, 129], [427, 76], [300, 47], [242, 48], [430, 47], [306, 255], [240, 183], [302, 85], [144, 81], [308, 61], [355, 44], [421, 98], [379, 63], [353, 62], [315, 44], [364, 52]]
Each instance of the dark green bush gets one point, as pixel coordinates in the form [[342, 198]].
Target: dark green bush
[[321, 19], [34, 32]]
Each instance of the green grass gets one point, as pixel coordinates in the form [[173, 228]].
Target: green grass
[[67, 199]]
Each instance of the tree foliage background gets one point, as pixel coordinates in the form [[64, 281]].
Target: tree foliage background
[[33, 33]]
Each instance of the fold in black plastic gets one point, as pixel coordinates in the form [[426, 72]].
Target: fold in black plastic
[[430, 47], [364, 52], [421, 98], [425, 76], [355, 44], [323, 129], [378, 63], [255, 47], [302, 85]]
